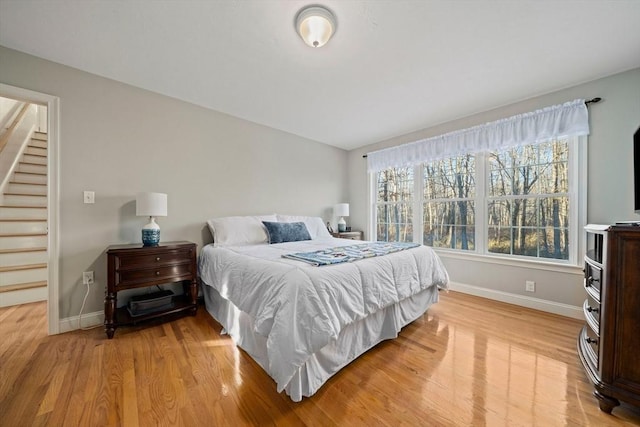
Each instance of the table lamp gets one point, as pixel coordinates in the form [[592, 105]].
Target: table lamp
[[151, 205], [341, 210]]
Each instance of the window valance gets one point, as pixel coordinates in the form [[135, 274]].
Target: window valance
[[558, 121]]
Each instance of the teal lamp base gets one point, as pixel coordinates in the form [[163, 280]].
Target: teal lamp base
[[151, 233], [342, 225]]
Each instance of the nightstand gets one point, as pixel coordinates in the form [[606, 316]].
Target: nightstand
[[353, 235], [137, 266]]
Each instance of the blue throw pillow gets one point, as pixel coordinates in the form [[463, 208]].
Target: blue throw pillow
[[280, 232]]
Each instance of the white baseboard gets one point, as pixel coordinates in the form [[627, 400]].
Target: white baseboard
[[88, 320], [521, 300]]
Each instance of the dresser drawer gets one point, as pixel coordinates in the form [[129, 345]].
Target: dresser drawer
[[591, 310], [589, 343], [126, 261], [593, 280]]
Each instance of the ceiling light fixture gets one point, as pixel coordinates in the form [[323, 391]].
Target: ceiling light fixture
[[315, 25]]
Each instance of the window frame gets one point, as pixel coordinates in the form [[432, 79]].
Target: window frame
[[577, 193]]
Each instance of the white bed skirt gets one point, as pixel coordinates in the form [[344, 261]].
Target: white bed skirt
[[353, 340]]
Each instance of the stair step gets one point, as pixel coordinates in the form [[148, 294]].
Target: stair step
[[22, 234], [27, 183], [29, 163], [22, 250], [30, 177], [40, 136], [31, 167], [34, 159], [22, 286], [24, 240], [20, 207], [13, 277], [22, 226], [22, 267], [37, 143], [23, 212], [23, 256], [25, 200], [36, 151], [24, 194], [26, 188]]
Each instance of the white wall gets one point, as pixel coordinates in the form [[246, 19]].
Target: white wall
[[610, 184], [42, 119], [8, 107], [118, 140]]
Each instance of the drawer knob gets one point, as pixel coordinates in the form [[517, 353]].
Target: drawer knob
[[592, 310], [157, 273], [592, 340], [157, 258]]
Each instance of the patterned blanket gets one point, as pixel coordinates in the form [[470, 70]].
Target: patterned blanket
[[350, 253]]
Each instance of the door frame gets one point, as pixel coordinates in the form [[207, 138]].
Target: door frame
[[53, 194]]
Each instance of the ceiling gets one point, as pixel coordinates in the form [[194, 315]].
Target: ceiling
[[391, 68]]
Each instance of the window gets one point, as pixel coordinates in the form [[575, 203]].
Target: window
[[528, 201], [395, 205], [513, 202], [449, 203]]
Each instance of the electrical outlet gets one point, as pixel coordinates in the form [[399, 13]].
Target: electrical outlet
[[89, 197], [530, 286], [87, 277]]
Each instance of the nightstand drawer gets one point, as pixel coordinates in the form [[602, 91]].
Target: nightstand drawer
[[162, 273], [161, 258], [352, 235]]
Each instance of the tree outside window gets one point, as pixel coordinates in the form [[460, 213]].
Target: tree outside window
[[395, 205]]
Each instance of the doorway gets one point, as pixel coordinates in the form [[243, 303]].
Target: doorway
[[24, 200]]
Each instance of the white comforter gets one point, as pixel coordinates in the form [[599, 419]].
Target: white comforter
[[300, 308]]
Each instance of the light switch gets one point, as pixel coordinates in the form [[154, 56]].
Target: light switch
[[89, 197]]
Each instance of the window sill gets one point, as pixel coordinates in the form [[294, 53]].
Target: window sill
[[520, 263]]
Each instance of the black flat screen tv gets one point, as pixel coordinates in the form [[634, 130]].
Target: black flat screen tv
[[636, 171]]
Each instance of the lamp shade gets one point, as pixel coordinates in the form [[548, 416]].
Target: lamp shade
[[151, 204], [341, 209]]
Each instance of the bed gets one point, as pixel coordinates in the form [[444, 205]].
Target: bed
[[300, 322]]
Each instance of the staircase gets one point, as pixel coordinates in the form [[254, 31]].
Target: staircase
[[23, 228]]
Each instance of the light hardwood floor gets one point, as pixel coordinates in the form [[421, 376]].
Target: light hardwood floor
[[467, 362]]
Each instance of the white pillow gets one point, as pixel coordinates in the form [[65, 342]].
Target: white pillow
[[239, 230], [315, 224]]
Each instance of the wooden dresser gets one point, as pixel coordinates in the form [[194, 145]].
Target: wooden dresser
[[609, 342], [137, 266]]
